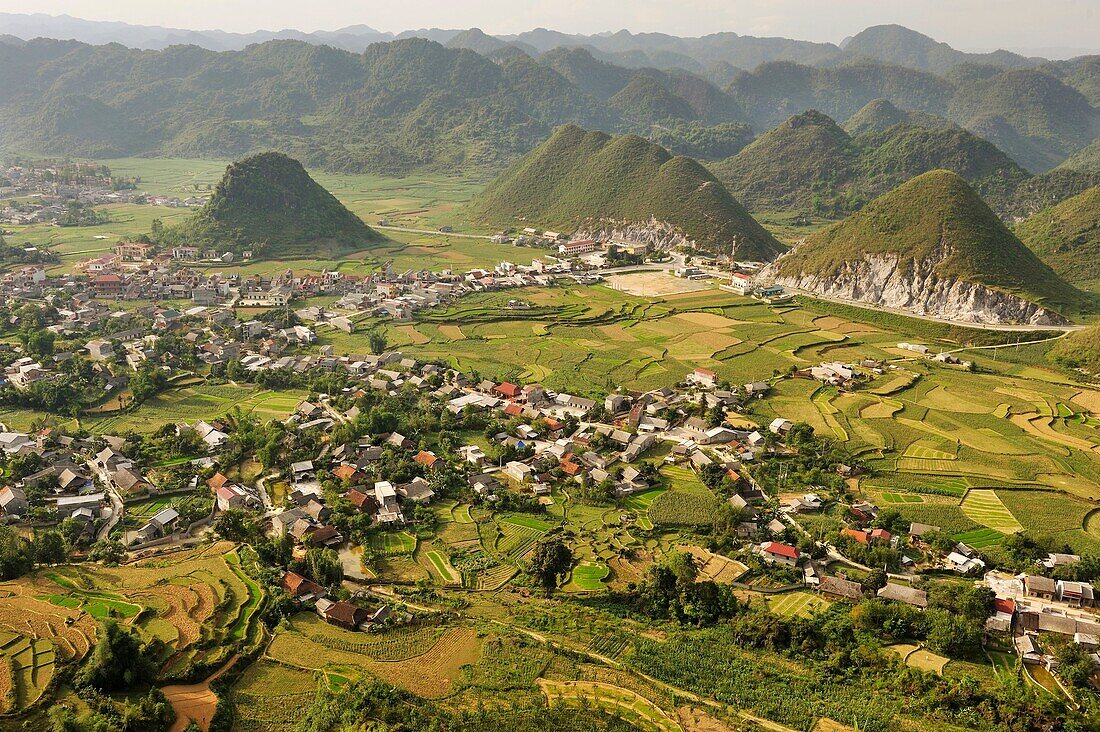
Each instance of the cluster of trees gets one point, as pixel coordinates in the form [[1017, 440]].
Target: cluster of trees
[[814, 463], [118, 664], [671, 591], [148, 381], [19, 555], [78, 213]]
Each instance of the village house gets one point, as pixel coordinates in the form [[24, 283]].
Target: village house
[[773, 551], [302, 589], [901, 593], [13, 502]]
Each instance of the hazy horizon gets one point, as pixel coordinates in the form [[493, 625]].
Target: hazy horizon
[[978, 25]]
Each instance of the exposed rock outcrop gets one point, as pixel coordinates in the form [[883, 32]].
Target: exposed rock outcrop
[[881, 280], [659, 235]]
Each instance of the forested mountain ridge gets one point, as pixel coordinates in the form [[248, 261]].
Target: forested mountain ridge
[[810, 163], [414, 104]]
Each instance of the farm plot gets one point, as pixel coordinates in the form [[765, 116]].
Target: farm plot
[[919, 657], [515, 536], [26, 667], [687, 502], [640, 502], [399, 644], [269, 695], [796, 604], [588, 576], [393, 543], [440, 566], [984, 507], [932, 450], [980, 538], [890, 497], [627, 705], [713, 566], [432, 674]]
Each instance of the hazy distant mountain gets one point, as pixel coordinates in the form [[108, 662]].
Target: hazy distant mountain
[[889, 43], [899, 45], [96, 32], [410, 104]]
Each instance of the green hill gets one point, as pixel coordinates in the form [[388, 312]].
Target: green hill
[[893, 156], [645, 101], [578, 176], [1032, 116], [1086, 159], [880, 115], [928, 234], [793, 164], [1067, 237], [1078, 350], [268, 203], [810, 163]]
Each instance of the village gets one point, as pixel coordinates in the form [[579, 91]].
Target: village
[[63, 193], [547, 444]]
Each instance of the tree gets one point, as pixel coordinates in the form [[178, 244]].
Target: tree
[[876, 580], [550, 559], [16, 554], [118, 662], [325, 566], [147, 382], [378, 341], [49, 548], [108, 552]]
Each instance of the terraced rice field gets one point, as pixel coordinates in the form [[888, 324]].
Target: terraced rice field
[[26, 667], [631, 707], [981, 538], [196, 601], [430, 673], [270, 696], [442, 568], [985, 507], [495, 577], [514, 539], [589, 576], [641, 502], [891, 497], [713, 566], [198, 402]]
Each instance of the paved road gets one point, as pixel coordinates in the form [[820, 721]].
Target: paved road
[[433, 231], [933, 319], [116, 501]]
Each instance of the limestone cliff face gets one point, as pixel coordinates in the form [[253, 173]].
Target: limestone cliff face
[[914, 286], [659, 235]]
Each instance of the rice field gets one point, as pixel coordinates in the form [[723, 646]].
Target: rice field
[[193, 403], [985, 507], [442, 567], [392, 543], [981, 538], [796, 604], [891, 497], [589, 576]]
